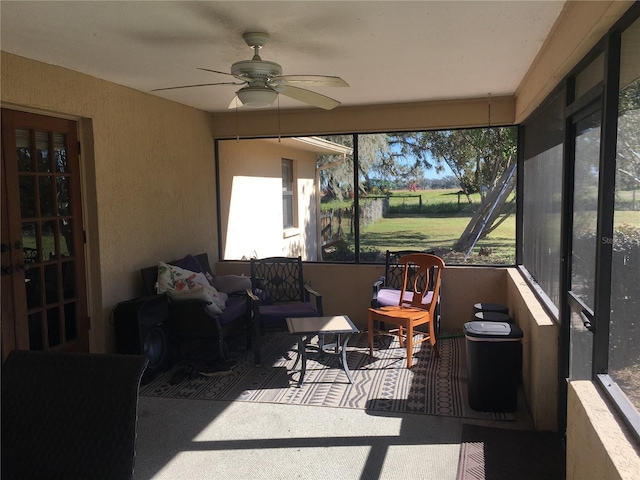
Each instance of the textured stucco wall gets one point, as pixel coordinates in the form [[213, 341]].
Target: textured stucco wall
[[540, 351], [463, 287], [399, 117], [599, 445], [148, 176], [347, 289]]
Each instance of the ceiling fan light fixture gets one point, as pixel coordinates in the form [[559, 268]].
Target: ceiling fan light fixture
[[257, 97]]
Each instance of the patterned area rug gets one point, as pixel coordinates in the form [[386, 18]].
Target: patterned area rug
[[433, 386]]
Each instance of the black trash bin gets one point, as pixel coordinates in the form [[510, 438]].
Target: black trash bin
[[494, 363]]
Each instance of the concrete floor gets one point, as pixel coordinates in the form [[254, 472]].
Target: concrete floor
[[210, 439]]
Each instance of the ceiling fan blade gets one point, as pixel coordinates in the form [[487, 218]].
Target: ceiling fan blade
[[197, 85], [307, 96], [241, 78], [309, 81], [235, 103], [215, 71]]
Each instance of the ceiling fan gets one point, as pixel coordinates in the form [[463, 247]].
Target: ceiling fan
[[263, 81]]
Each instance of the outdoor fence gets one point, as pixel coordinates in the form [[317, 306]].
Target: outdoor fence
[[336, 223]]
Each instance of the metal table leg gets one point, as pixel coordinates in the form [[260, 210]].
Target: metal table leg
[[343, 357], [302, 355], [339, 348]]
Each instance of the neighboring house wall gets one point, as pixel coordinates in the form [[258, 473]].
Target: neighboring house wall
[[251, 201]]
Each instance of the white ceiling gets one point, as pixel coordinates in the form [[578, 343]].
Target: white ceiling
[[388, 51]]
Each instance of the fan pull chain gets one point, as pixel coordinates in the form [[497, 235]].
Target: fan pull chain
[[489, 111], [237, 125], [279, 141]]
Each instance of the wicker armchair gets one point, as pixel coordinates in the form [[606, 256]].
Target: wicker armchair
[[69, 415]]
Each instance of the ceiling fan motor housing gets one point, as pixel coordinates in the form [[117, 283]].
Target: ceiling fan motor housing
[[256, 69]]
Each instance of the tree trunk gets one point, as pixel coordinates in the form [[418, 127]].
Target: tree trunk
[[489, 211]]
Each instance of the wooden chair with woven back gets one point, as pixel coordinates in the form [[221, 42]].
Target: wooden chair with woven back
[[417, 304]]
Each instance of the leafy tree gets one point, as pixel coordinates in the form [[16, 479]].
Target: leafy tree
[[447, 182], [477, 157], [481, 159], [628, 147], [373, 158]]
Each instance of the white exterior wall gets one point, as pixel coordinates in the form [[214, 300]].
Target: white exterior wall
[[251, 200]]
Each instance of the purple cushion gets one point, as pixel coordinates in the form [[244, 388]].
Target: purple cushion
[[390, 297], [235, 307], [275, 315], [190, 263]]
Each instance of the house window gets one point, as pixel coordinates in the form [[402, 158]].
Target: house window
[[288, 195]]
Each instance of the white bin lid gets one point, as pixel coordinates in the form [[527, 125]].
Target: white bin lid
[[500, 330]]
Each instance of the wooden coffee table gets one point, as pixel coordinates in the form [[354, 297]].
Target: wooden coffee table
[[305, 328]]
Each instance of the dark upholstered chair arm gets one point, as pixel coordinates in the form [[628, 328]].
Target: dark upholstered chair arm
[[253, 305], [377, 285], [198, 307], [188, 303], [310, 292], [252, 296]]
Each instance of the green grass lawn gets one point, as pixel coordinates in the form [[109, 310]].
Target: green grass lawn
[[440, 222], [437, 225], [434, 232], [628, 217]]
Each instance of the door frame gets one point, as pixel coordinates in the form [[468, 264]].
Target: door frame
[[72, 127], [588, 104]]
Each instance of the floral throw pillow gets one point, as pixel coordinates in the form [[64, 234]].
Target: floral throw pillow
[[196, 293], [181, 284]]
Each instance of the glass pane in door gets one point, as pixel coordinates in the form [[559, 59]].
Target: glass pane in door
[[584, 242], [23, 153], [585, 208], [581, 351], [46, 236]]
